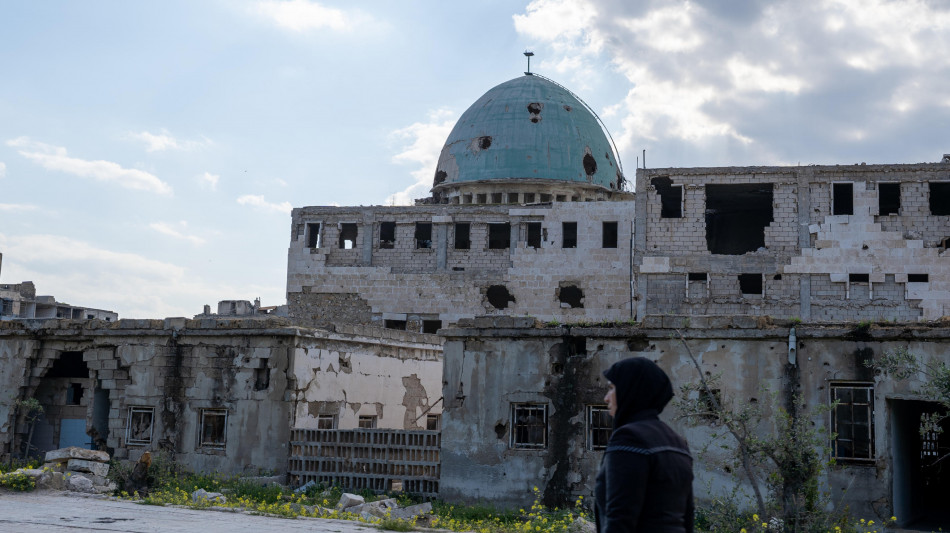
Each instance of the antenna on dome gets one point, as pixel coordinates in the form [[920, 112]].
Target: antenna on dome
[[528, 54]]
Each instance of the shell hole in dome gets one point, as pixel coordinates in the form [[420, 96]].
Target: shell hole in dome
[[484, 142], [534, 110], [590, 165]]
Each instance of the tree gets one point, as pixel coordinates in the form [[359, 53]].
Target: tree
[[788, 461], [934, 375], [31, 410]]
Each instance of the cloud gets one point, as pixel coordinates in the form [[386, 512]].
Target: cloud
[[421, 143], [303, 15], [17, 207], [167, 229], [209, 180], [130, 284], [738, 83], [3, 169], [259, 201], [159, 142], [56, 158]]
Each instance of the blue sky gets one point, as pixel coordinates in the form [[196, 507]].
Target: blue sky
[[150, 152]]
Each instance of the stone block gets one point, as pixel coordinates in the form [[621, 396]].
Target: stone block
[[378, 508], [93, 467], [79, 483], [412, 511], [73, 452], [348, 500], [201, 495]]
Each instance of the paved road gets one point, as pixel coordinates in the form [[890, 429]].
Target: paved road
[[53, 512]]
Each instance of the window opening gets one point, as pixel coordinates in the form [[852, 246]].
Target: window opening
[[213, 428], [367, 422], [423, 235], [529, 197], [326, 422], [74, 394], [481, 198], [852, 421], [462, 236], [139, 431], [496, 197], [842, 198], [671, 197], [545, 198], [918, 278], [888, 198], [569, 235], [534, 235], [313, 235], [466, 198], [697, 276], [599, 427], [610, 235], [750, 283], [262, 376], [859, 278], [512, 198], [387, 235], [499, 236], [396, 324], [433, 422], [498, 296], [431, 326], [939, 198], [736, 217], [560, 198], [348, 233], [529, 426]]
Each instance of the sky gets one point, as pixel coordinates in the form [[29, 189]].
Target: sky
[[151, 152]]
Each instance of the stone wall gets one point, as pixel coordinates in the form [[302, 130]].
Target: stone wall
[[490, 368], [442, 283], [217, 395], [809, 254]]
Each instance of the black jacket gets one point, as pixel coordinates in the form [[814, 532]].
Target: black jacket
[[645, 483]]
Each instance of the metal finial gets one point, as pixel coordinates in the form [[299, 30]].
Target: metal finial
[[528, 54]]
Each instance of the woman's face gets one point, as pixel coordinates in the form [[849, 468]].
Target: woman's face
[[611, 399]]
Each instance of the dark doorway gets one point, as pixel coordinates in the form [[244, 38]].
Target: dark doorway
[[736, 217], [921, 481], [100, 419]]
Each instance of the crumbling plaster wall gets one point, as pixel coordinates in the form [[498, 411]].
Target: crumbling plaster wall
[[488, 366], [365, 371], [176, 368], [808, 253], [446, 283]]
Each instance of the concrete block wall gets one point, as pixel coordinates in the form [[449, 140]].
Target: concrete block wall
[[447, 284], [814, 264]]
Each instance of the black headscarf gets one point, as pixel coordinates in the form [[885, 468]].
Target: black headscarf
[[641, 386]]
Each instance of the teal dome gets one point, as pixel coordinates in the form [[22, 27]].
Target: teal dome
[[528, 128]]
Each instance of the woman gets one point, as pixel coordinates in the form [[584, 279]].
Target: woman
[[645, 483]]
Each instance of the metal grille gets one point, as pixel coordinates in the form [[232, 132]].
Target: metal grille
[[373, 459], [853, 421], [599, 427], [529, 425]]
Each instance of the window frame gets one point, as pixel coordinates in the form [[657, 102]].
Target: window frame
[[837, 440], [514, 442], [371, 420], [600, 410], [324, 418], [133, 410], [203, 415]]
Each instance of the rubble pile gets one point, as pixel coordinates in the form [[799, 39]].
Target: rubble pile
[[74, 469], [354, 504]]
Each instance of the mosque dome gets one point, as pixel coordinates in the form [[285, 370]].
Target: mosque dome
[[530, 134]]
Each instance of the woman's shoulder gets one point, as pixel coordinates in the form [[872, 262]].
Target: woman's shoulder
[[646, 437]]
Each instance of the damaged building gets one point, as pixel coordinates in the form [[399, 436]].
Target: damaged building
[[216, 395], [537, 267]]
